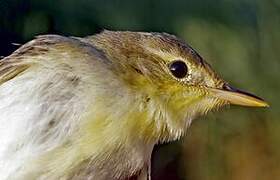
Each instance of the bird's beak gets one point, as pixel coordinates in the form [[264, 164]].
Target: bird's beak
[[237, 97]]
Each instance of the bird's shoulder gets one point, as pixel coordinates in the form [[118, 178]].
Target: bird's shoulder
[[51, 45], [47, 49]]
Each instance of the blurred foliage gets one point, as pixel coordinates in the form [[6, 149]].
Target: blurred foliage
[[240, 38]]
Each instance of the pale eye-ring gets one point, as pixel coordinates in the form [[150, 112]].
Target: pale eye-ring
[[178, 68]]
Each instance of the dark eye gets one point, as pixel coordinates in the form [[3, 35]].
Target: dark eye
[[178, 68]]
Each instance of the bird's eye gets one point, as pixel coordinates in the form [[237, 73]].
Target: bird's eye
[[178, 68]]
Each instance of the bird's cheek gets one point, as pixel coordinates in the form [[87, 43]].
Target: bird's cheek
[[182, 102]]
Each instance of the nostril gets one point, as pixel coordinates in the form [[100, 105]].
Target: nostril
[[227, 87]]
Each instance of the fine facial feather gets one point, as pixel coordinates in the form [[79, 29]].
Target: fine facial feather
[[94, 107]]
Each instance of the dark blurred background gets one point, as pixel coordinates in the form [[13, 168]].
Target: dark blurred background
[[240, 38]]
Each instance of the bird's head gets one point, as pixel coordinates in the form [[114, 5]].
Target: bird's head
[[176, 83]]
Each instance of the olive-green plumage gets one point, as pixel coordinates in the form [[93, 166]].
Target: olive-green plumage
[[94, 107]]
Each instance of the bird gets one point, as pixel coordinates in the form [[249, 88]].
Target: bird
[[94, 107]]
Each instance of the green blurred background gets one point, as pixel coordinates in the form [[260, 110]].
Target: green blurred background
[[240, 38]]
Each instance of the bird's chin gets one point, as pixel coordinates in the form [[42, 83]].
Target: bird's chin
[[182, 119], [202, 107]]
